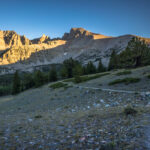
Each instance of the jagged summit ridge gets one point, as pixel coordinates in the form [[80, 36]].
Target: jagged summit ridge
[[42, 39], [81, 33], [11, 38]]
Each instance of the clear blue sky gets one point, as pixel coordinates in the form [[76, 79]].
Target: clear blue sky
[[54, 17]]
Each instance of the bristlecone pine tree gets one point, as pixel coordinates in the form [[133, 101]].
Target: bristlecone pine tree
[[16, 84]]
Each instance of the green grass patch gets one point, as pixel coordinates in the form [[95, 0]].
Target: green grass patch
[[58, 85], [86, 78], [125, 72], [125, 81]]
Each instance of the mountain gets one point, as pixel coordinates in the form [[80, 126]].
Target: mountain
[[20, 53]]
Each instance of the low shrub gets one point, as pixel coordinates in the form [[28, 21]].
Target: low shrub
[[86, 78], [123, 72], [148, 76], [108, 146], [38, 116], [58, 85], [129, 111], [78, 79], [125, 81]]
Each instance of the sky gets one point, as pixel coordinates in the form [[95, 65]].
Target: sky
[[33, 18]]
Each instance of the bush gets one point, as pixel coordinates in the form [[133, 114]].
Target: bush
[[87, 78], [125, 81], [58, 85], [148, 76], [123, 72], [77, 79], [108, 146], [129, 111]]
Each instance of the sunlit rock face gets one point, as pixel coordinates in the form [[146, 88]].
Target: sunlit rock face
[[11, 38], [42, 39]]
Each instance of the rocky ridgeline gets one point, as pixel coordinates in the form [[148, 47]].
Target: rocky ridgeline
[[11, 38], [19, 53]]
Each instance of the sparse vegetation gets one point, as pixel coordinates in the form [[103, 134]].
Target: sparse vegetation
[[86, 78], [129, 111], [126, 72], [125, 81], [38, 116], [58, 85]]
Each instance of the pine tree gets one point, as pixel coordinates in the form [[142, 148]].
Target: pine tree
[[101, 68], [78, 70], [68, 66], [16, 84], [113, 63], [90, 68], [38, 78], [64, 72], [53, 75], [28, 81]]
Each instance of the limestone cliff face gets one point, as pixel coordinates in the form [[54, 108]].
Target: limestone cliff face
[[22, 53], [11, 38]]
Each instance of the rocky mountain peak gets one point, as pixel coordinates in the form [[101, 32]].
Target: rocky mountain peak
[[81, 33], [42, 39]]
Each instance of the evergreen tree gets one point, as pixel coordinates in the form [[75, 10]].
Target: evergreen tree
[[113, 61], [64, 72], [28, 81], [68, 66], [38, 78], [90, 68], [136, 54], [78, 70], [16, 83], [53, 75], [101, 68]]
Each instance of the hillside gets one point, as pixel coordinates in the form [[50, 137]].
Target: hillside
[[20, 53], [89, 115]]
